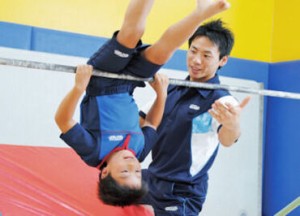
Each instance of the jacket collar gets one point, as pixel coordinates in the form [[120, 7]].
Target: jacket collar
[[205, 92]]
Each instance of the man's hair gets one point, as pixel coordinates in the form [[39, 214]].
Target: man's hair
[[111, 193], [216, 33]]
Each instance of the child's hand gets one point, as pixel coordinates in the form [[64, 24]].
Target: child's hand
[[83, 75], [160, 84]]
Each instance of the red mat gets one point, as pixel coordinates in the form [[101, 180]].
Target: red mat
[[51, 181]]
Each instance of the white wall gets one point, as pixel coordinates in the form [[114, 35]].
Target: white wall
[[29, 99]]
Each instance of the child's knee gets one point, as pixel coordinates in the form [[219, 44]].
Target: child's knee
[[130, 37]]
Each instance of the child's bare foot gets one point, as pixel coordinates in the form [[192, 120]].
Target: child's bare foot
[[209, 8]]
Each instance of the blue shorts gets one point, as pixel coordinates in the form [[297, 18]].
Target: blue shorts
[[115, 58], [172, 198]]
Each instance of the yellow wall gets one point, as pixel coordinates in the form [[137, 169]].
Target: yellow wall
[[251, 21], [258, 35], [286, 36]]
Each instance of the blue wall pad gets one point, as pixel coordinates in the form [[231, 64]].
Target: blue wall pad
[[282, 161], [177, 62], [65, 43], [247, 69], [15, 36]]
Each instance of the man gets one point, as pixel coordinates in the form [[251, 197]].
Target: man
[[195, 121]]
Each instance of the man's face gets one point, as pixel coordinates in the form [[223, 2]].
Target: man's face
[[203, 59], [124, 168]]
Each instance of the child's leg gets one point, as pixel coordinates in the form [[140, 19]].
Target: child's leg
[[177, 34], [114, 55], [134, 22]]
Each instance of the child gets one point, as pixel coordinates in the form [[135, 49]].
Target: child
[[109, 135]]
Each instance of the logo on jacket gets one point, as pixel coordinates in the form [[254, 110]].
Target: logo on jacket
[[171, 208], [115, 137], [194, 107], [121, 54]]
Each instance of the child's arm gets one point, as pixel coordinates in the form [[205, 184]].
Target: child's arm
[[160, 86], [65, 112]]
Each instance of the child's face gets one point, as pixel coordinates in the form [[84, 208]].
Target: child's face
[[124, 168]]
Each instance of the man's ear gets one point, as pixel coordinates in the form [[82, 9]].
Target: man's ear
[[104, 172], [223, 61]]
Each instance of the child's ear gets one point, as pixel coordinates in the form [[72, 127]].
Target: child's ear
[[104, 172]]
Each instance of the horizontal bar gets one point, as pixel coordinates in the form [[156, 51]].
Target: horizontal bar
[[289, 208], [65, 68], [186, 83]]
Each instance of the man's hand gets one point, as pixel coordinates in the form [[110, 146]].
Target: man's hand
[[228, 116]]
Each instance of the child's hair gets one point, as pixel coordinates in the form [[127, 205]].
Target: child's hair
[[111, 193], [218, 34]]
